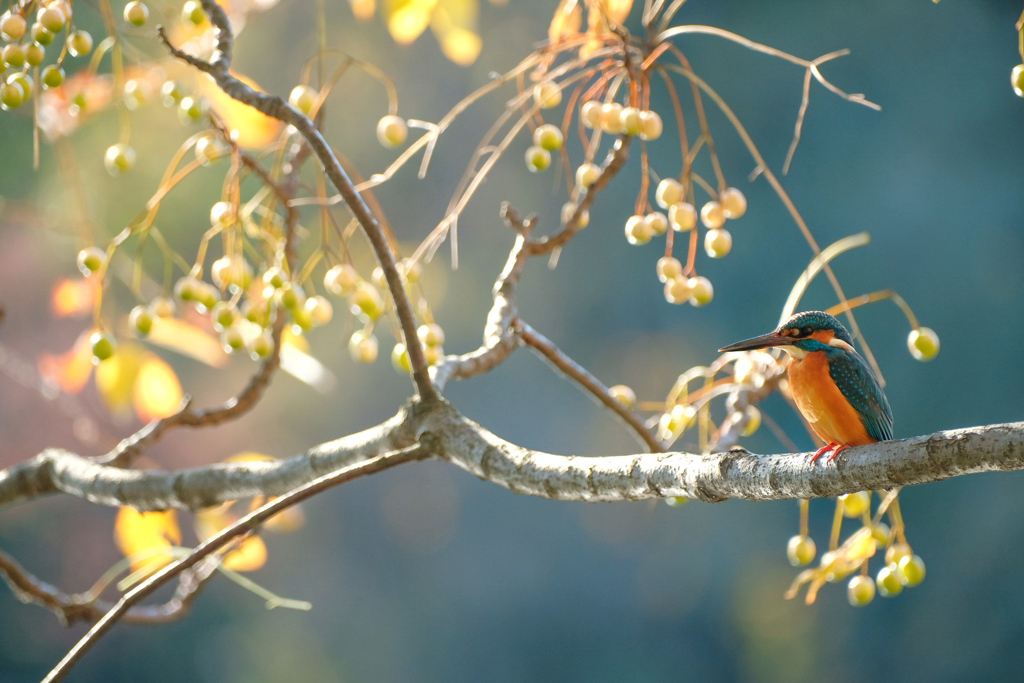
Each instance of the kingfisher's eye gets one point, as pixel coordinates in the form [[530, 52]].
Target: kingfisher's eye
[[805, 331]]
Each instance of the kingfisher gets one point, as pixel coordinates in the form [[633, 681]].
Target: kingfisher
[[833, 387]]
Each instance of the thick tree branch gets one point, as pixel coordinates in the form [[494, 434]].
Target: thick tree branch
[[712, 478]]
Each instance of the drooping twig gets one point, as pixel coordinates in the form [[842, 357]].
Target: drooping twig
[[243, 526], [277, 108]]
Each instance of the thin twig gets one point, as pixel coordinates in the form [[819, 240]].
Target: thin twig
[[240, 528]]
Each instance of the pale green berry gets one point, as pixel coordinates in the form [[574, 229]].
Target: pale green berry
[[638, 231], [670, 191], [400, 359], [923, 343], [392, 130], [701, 291], [629, 121], [52, 76], [13, 26], [433, 354], [568, 209], [547, 95], [378, 279], [537, 159], [25, 81], [206, 296], [677, 420], [753, 417], [611, 117], [860, 591], [801, 550], [669, 268], [651, 125], [366, 302], [103, 346], [303, 98], [1017, 80], [623, 394], [590, 114], [682, 216], [676, 501], [162, 307], [362, 346], [430, 334], [657, 222], [261, 346], [273, 278], [41, 35], [678, 290], [192, 12], [11, 95], [911, 570], [341, 280], [91, 259], [172, 93], [718, 242], [232, 339], [136, 13], [587, 174], [412, 271], [222, 214], [302, 320], [855, 504], [291, 296], [79, 43], [52, 19], [224, 315], [880, 532], [34, 54], [119, 158], [711, 215], [211, 149], [141, 320], [888, 582], [319, 309], [13, 55], [191, 109], [733, 203], [897, 552], [549, 137], [187, 288], [231, 272]]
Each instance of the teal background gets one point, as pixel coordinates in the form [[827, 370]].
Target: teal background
[[428, 574]]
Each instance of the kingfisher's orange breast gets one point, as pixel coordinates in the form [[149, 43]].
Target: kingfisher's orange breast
[[822, 403]]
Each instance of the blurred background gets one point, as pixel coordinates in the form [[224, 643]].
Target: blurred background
[[425, 573]]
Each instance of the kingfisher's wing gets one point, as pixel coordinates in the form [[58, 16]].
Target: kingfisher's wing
[[860, 387]]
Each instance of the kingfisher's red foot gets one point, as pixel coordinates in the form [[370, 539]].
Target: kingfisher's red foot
[[837, 450], [825, 449]]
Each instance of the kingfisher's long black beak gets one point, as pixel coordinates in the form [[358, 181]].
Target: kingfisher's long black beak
[[763, 342]]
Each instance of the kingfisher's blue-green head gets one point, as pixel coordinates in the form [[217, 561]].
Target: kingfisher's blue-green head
[[801, 334]]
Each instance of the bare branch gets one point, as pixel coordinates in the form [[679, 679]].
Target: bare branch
[[243, 526], [588, 383]]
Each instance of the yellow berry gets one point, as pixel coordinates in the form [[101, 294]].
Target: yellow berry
[[222, 214], [568, 209], [103, 347], [547, 95], [549, 137], [136, 13], [537, 159], [11, 95], [855, 504], [678, 290], [51, 18], [676, 421], [701, 291], [676, 501], [366, 302], [669, 268], [392, 131], [590, 114], [119, 158], [860, 591], [192, 12], [1017, 80], [303, 98], [291, 296], [753, 417], [910, 570], [889, 584], [923, 343], [651, 125], [261, 346], [231, 271], [362, 346], [141, 320], [711, 215], [400, 359], [431, 334], [734, 204], [611, 117], [91, 259], [638, 231], [410, 270], [657, 222], [273, 277], [13, 55], [586, 174], [341, 280], [319, 309], [624, 395], [669, 192], [34, 54], [13, 26], [41, 35], [433, 354], [718, 242], [162, 307], [232, 339], [897, 552], [79, 43], [801, 550], [210, 150], [629, 121], [682, 216]]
